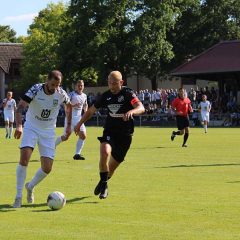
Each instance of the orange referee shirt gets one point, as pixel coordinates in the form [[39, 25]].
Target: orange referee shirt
[[182, 106]]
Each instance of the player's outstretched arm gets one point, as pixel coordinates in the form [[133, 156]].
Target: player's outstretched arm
[[86, 116], [22, 105]]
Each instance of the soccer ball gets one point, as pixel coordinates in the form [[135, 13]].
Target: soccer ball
[[56, 200]]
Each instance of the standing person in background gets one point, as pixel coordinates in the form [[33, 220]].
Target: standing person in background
[[79, 104], [9, 108], [122, 104], [205, 108], [182, 106], [44, 101]]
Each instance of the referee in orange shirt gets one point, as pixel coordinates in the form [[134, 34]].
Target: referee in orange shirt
[[182, 106]]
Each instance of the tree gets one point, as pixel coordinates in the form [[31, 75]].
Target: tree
[[152, 47], [201, 25], [41, 46], [7, 34], [97, 37]]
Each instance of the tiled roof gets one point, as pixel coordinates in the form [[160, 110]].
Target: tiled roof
[[9, 51], [221, 58]]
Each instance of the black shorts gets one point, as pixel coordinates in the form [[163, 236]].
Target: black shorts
[[182, 122], [119, 143]]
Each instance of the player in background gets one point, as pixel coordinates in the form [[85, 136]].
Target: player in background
[[9, 108], [44, 101], [122, 104], [182, 106], [79, 104], [205, 108]]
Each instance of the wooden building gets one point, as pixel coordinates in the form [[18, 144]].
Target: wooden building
[[220, 63], [11, 55]]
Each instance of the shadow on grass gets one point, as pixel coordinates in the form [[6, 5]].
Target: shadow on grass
[[143, 148], [202, 165], [234, 182], [18, 162], [8, 208]]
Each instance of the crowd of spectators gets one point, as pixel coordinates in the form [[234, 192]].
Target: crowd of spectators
[[158, 104]]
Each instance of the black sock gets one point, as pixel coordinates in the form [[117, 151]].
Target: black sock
[[104, 176], [185, 138], [176, 133]]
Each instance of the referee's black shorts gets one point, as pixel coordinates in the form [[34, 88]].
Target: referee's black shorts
[[182, 122], [119, 143]]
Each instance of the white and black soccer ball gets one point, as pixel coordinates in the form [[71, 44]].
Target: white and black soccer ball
[[56, 200]]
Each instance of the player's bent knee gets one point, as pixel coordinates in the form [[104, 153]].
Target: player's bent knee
[[105, 154], [47, 169], [64, 138], [23, 162], [82, 136]]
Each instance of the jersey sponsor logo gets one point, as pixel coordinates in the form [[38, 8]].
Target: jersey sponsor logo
[[114, 107], [116, 115], [121, 98], [44, 119], [45, 113], [55, 102]]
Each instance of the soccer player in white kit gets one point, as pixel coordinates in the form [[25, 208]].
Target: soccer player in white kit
[[205, 108], [79, 104], [43, 101], [9, 107]]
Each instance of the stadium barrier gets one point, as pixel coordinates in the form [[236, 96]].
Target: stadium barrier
[[165, 120]]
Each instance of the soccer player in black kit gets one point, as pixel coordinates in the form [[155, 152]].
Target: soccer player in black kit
[[122, 104]]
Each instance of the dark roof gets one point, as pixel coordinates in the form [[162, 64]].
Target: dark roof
[[221, 58], [8, 52]]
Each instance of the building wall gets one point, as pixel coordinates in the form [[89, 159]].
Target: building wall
[[144, 83], [2, 84]]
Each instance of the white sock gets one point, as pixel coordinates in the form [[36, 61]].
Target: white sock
[[10, 131], [79, 146], [58, 141], [39, 176], [205, 128], [21, 173]]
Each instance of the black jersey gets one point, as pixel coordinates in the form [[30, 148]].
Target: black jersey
[[117, 105]]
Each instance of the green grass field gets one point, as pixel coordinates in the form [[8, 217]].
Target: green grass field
[[162, 191]]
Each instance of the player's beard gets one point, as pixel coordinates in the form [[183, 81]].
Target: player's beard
[[50, 91]]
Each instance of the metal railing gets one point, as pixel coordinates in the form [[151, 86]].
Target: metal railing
[[165, 120]]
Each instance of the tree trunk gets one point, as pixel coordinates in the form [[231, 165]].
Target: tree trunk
[[154, 83]]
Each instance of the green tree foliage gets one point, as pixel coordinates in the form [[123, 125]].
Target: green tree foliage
[[203, 24], [97, 37], [92, 37], [7, 34], [41, 46], [152, 47]]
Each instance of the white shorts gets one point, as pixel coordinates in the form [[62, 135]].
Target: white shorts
[[75, 120], [9, 117], [205, 117], [44, 138]]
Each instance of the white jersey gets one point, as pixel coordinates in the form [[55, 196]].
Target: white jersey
[[205, 106], [10, 106], [43, 109], [80, 100]]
